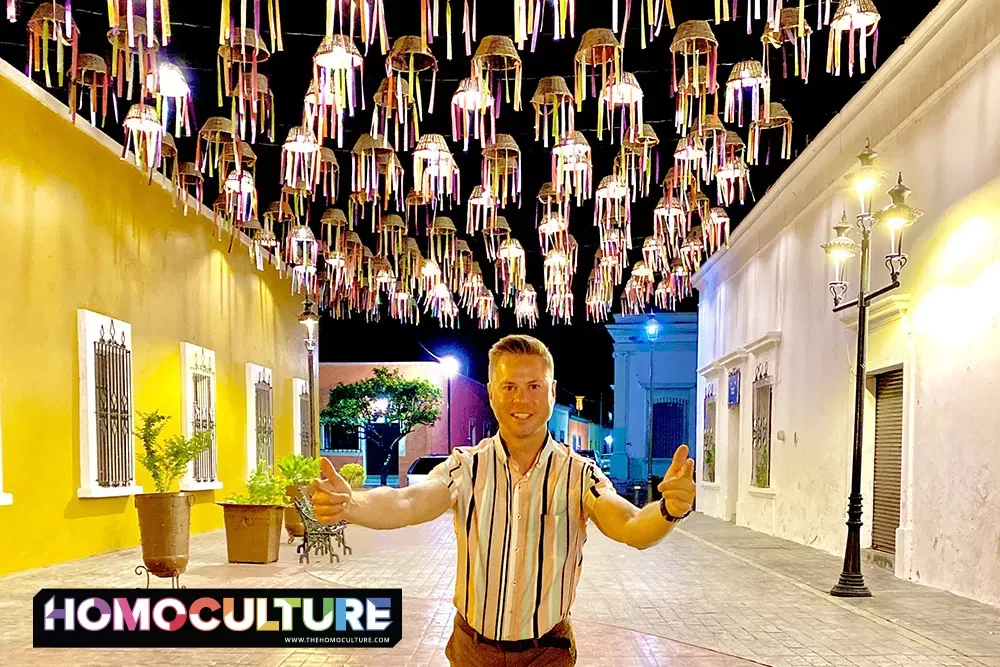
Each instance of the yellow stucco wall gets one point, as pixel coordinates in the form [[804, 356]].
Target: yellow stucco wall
[[80, 228]]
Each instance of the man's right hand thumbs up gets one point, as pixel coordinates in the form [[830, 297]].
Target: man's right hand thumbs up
[[330, 496]]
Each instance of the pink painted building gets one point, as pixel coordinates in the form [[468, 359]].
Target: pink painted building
[[471, 416]]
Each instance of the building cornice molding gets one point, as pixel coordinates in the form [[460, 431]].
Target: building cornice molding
[[766, 342], [734, 358], [884, 311]]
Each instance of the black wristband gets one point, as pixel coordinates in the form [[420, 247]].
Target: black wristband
[[667, 515]]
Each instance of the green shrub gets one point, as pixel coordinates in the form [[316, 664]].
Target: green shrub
[[297, 469], [354, 474], [263, 488], [167, 460]]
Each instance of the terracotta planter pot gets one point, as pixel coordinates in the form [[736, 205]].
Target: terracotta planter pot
[[253, 532], [165, 531], [293, 521]]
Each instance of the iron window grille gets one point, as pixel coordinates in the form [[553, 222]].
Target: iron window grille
[[305, 424], [265, 419], [113, 393], [670, 418], [340, 440], [205, 465], [762, 388], [708, 470]]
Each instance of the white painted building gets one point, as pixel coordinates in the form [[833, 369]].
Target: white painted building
[[933, 111], [672, 393]]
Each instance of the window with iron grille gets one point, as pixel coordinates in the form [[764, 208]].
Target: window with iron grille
[[113, 401], [670, 419], [472, 432], [342, 440], [708, 469], [761, 468], [265, 419], [305, 423], [203, 420]]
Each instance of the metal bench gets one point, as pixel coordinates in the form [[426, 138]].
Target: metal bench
[[318, 538]]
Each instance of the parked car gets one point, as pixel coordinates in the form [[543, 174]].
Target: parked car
[[422, 467], [602, 461]]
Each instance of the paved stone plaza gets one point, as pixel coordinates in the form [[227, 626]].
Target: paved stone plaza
[[711, 595]]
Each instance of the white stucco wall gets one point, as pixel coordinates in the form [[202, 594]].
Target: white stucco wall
[[674, 375], [932, 112]]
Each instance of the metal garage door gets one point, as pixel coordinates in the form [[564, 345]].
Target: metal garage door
[[888, 459]]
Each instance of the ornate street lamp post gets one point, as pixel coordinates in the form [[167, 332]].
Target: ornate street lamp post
[[864, 179], [652, 334], [310, 321]]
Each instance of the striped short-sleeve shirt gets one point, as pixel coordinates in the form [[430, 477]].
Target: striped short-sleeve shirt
[[520, 543]]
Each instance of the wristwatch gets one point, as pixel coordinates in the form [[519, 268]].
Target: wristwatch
[[668, 516]]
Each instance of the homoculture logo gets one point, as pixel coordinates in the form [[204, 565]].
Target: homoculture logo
[[217, 618]]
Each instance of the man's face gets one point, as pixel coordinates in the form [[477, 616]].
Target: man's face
[[522, 394]]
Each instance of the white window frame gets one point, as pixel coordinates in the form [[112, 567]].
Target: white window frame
[[5, 498], [192, 356], [89, 326], [253, 372], [299, 386]]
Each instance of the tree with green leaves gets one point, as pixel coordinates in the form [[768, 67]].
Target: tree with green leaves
[[385, 398]]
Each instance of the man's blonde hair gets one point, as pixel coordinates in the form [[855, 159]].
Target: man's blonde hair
[[521, 344]]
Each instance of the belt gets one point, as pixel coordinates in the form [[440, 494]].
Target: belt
[[550, 639]]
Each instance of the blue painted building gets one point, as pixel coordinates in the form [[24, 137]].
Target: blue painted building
[[655, 384]]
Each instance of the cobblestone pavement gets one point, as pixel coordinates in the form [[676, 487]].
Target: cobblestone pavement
[[711, 595]]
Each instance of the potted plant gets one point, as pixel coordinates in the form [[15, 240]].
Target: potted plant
[[297, 471], [354, 474], [165, 516], [253, 518]]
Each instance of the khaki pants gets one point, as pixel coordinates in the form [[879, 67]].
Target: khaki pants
[[464, 650]]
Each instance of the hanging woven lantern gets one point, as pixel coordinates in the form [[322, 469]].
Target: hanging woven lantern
[[611, 205], [622, 93], [435, 173], [403, 305], [220, 212], [509, 268], [232, 27], [552, 218], [655, 254], [470, 106], [599, 50], [529, 17], [792, 29], [481, 210], [712, 133], [240, 55], [430, 275], [572, 168], [698, 49], [408, 58], [554, 113], [716, 231], [391, 229], [859, 19], [122, 17], [494, 235], [241, 196], [300, 157], [50, 23], [496, 61], [410, 262], [339, 68], [356, 203], [297, 197], [128, 57], [600, 293], [559, 305], [277, 221], [189, 181], [747, 75], [393, 102], [253, 105], [691, 158], [333, 225], [694, 105], [329, 174], [237, 156], [215, 133], [170, 85], [144, 135], [611, 264], [777, 118], [471, 284], [323, 113], [443, 242], [416, 200], [92, 75], [501, 171], [637, 157], [691, 250], [461, 266], [487, 313], [168, 162], [733, 177], [526, 307], [367, 15], [667, 218], [384, 274]]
